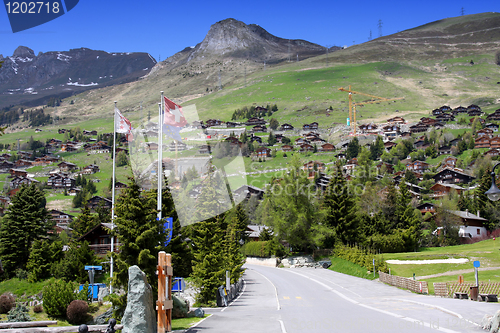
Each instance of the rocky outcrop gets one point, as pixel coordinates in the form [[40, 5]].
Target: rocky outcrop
[[139, 316], [298, 261]]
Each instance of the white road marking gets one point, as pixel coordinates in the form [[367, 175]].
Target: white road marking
[[426, 324], [275, 290], [283, 330]]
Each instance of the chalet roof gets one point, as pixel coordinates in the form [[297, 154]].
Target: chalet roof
[[255, 230], [453, 170], [467, 215]]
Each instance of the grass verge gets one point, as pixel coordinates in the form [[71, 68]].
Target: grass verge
[[346, 267]]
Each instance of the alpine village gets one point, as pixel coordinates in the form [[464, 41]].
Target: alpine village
[[356, 157]]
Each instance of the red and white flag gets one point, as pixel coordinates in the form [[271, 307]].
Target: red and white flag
[[173, 114], [122, 124]]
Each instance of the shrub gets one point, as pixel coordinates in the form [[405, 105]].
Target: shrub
[[263, 249], [57, 296], [19, 313], [77, 312], [7, 302], [38, 308]]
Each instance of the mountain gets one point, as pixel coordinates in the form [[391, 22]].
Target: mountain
[[31, 80], [461, 36]]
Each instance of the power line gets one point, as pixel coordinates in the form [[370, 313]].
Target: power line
[[380, 28]]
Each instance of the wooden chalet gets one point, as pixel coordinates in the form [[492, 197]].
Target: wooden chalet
[[437, 112], [439, 190], [99, 239], [471, 225], [151, 146], [449, 162], [482, 142], [263, 152], [68, 147], [24, 154], [204, 149], [452, 176], [5, 166], [259, 128], [286, 127], [287, 148], [213, 122], [426, 208], [486, 132], [475, 113], [300, 141], [454, 142], [389, 145], [17, 182], [445, 108], [96, 201], [460, 109], [254, 138], [341, 156], [494, 116], [306, 147], [418, 128], [61, 181], [363, 128], [495, 142], [177, 146], [253, 231], [60, 217], [67, 166], [327, 147], [418, 166], [92, 132], [491, 126], [90, 169], [397, 120], [309, 127], [255, 121], [314, 166], [481, 120], [248, 191], [444, 150], [492, 152], [18, 173], [23, 163]]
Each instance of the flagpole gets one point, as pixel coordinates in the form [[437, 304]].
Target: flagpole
[[113, 201], [160, 157]]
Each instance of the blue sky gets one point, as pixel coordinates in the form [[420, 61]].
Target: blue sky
[[163, 28]]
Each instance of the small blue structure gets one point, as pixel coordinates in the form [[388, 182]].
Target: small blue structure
[[94, 289], [178, 285]]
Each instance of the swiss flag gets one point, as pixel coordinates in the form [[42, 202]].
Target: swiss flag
[[173, 114], [122, 124]]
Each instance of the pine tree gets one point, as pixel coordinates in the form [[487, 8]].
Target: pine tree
[[340, 207], [27, 220], [84, 222], [38, 265], [208, 262], [141, 235]]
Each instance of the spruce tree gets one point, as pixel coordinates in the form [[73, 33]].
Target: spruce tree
[[340, 207], [27, 220], [140, 234], [84, 222], [234, 258], [208, 262]]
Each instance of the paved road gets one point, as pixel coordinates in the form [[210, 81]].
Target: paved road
[[317, 300]]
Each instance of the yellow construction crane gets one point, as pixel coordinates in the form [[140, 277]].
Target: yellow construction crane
[[352, 106]]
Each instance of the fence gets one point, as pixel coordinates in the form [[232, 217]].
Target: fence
[[448, 289], [406, 283]]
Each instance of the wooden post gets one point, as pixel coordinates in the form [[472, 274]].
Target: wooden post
[[164, 304]]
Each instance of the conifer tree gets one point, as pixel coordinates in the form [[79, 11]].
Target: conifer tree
[[141, 235], [27, 220], [84, 222], [340, 211], [234, 258], [208, 262]]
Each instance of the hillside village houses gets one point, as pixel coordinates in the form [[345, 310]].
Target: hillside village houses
[[446, 176]]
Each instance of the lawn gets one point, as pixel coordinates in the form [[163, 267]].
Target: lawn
[[485, 251]]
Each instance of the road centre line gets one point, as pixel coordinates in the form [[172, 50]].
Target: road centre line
[[442, 329], [275, 289]]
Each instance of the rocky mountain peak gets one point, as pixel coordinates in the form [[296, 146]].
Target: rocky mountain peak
[[24, 52]]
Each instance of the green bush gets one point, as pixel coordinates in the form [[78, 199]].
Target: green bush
[[263, 249], [19, 313], [57, 296], [360, 257]]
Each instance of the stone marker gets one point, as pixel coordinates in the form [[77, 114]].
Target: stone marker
[[140, 315]]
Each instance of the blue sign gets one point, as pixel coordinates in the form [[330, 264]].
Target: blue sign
[[28, 14], [169, 225], [178, 285], [95, 268], [477, 264]]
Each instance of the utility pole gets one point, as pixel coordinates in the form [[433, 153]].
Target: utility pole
[[380, 28], [370, 38], [289, 54], [462, 11]]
